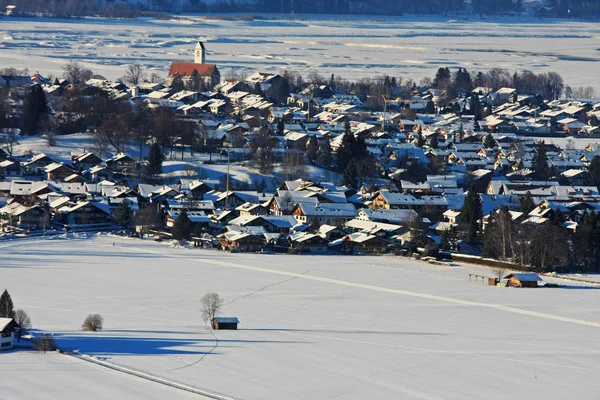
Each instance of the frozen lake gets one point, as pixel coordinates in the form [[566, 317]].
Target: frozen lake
[[410, 46], [311, 327]]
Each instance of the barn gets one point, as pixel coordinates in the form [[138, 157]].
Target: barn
[[225, 323], [523, 280]]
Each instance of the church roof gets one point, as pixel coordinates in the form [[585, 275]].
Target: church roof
[[184, 69]]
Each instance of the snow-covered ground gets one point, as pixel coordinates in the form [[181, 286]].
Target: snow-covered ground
[[33, 375], [318, 327], [351, 47]]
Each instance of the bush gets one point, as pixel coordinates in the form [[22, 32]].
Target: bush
[[45, 343], [93, 323]]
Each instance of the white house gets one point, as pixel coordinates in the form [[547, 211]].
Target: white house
[[7, 333]]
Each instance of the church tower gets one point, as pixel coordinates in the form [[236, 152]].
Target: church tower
[[200, 53]]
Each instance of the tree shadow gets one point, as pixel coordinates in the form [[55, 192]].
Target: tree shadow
[[98, 344], [337, 331]]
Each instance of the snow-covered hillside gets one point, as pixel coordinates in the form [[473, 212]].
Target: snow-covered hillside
[[311, 327]]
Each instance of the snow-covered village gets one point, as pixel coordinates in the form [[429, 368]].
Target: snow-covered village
[[258, 233]]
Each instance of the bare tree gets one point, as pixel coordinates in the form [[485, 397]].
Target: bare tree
[[9, 141], [156, 78], [148, 218], [211, 306], [499, 273], [45, 343], [76, 73], [293, 165], [92, 323], [24, 322], [134, 74]]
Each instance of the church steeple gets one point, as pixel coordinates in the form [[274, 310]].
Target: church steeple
[[200, 53]]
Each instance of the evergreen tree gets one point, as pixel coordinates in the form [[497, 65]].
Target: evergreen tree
[[257, 89], [280, 90], [280, 127], [489, 141], [442, 78], [345, 151], [475, 107], [593, 178], [177, 84], [470, 214], [155, 160], [324, 154], [527, 203], [313, 149], [540, 167], [420, 139], [434, 143], [6, 305], [350, 178], [35, 108], [123, 214], [182, 227]]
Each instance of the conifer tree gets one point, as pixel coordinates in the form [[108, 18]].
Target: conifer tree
[[34, 109], [540, 167], [6, 305], [123, 214], [489, 141], [155, 160], [350, 178], [182, 227], [313, 149], [470, 214]]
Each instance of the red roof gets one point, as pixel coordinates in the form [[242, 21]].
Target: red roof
[[184, 69]]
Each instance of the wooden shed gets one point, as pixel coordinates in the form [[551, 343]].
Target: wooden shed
[[222, 323], [523, 280]]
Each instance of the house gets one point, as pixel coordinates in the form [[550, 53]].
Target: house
[[309, 243], [327, 213], [9, 168], [242, 241], [121, 163], [8, 326], [58, 172], [25, 217], [225, 323], [86, 160], [523, 280], [362, 243], [86, 214]]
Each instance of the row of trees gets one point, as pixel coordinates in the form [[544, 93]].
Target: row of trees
[[549, 85]]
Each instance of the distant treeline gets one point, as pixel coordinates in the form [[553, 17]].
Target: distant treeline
[[132, 8]]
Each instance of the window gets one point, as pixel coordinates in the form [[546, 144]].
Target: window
[[5, 335], [5, 344]]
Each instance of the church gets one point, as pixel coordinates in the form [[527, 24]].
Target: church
[[209, 73]]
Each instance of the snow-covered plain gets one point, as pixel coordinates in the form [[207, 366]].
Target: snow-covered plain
[[318, 327], [352, 47]]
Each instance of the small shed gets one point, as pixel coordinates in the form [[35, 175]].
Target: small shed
[[523, 280], [221, 323]]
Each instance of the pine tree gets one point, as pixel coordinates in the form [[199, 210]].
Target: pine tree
[[434, 141], [257, 89], [182, 227], [177, 84], [6, 305], [313, 149], [350, 178], [123, 214], [324, 154], [420, 139], [540, 167], [594, 172], [155, 160], [344, 153], [280, 127], [470, 214], [489, 141], [527, 203], [34, 109]]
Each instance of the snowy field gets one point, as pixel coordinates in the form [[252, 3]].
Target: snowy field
[[320, 327], [409, 46]]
